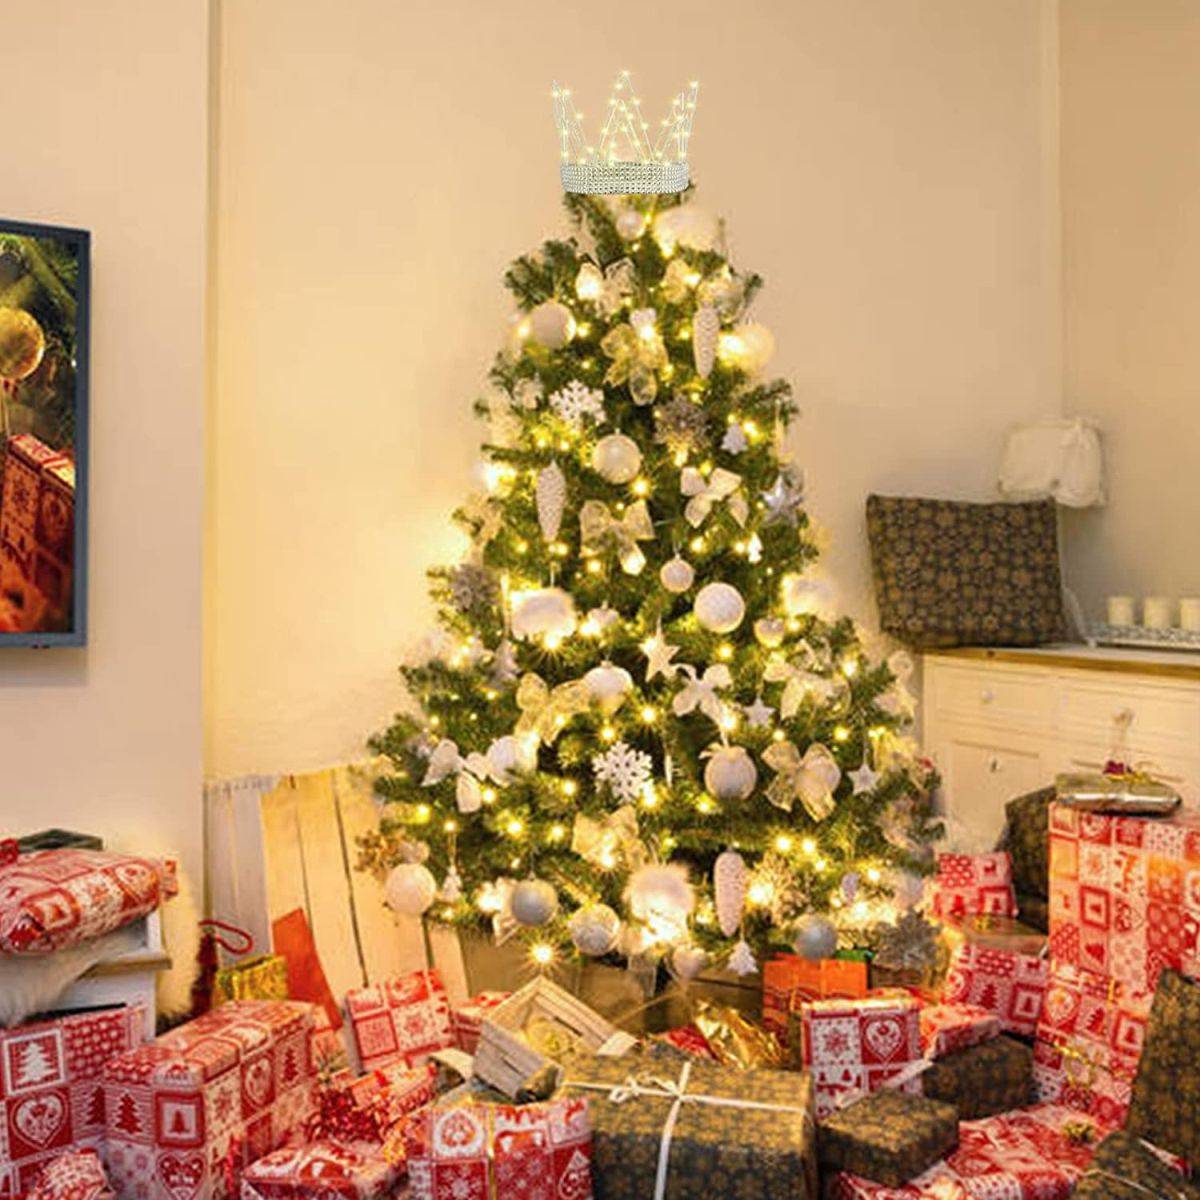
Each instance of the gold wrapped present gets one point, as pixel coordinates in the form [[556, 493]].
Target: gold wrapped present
[[1126, 791], [263, 977]]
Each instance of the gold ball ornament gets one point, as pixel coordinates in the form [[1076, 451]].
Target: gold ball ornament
[[551, 325], [719, 607], [730, 773], [22, 343], [617, 458]]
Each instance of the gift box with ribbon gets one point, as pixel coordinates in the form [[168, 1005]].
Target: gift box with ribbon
[[1127, 1168], [368, 1108], [789, 979], [971, 884], [472, 1150], [322, 1170], [672, 1128], [980, 1081]]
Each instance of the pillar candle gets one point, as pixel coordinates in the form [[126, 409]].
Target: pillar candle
[[1157, 612], [1120, 610]]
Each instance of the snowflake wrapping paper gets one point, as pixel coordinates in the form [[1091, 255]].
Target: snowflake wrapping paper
[[467, 1018], [51, 899], [948, 1028], [854, 1047], [51, 1093], [477, 1151], [1023, 1155], [404, 1019], [973, 885], [76, 1175], [1125, 894], [321, 1170], [1008, 984], [186, 1112]]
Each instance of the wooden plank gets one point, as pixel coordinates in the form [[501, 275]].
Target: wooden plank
[[283, 857], [448, 958]]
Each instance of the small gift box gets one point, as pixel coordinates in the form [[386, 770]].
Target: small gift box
[[973, 884], [788, 978], [263, 977], [1008, 984], [323, 1170], [404, 1019], [1122, 790], [948, 1028], [467, 1018], [888, 1137], [471, 1150], [667, 1128], [854, 1047], [366, 1108], [982, 1080]]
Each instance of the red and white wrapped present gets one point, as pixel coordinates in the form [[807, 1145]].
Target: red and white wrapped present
[[187, 1112], [1005, 983], [690, 1040], [51, 1092], [973, 885], [789, 980], [853, 1047], [1034, 1153], [366, 1108], [474, 1151], [323, 1170], [948, 1028], [403, 1019], [467, 1018], [76, 1175], [51, 899], [1089, 1040]]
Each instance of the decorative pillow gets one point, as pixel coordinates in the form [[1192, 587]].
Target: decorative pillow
[[1166, 1093], [1008, 984], [971, 885], [948, 573], [52, 899]]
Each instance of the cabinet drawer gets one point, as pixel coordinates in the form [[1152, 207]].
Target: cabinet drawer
[[1010, 698], [1163, 718]]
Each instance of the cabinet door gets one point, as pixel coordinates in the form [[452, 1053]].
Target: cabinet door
[[981, 773]]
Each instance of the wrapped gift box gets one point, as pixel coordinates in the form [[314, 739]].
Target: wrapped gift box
[[717, 1130], [51, 1093], [1032, 1154], [403, 1019], [789, 979], [948, 1028], [365, 1108], [186, 1112], [1008, 984], [467, 1018], [322, 1170], [854, 1047], [76, 1175], [980, 1081], [1089, 1039], [971, 884], [471, 1150], [690, 1041], [1127, 1168], [888, 1137]]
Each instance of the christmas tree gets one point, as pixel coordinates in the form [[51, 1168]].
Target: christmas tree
[[640, 729]]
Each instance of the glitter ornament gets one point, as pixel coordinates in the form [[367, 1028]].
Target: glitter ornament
[[769, 632], [551, 325], [681, 426], [542, 612], [706, 331], [815, 937], [730, 879], [730, 773], [719, 607], [607, 685], [551, 500], [594, 929], [617, 458], [473, 588], [533, 902], [626, 771], [576, 403], [677, 575], [742, 960], [410, 889]]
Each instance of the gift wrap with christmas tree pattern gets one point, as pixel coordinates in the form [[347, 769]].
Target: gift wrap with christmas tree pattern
[[890, 1137], [669, 1128], [983, 1080], [1126, 1168]]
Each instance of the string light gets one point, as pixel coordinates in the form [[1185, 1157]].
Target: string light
[[450, 826], [556, 833], [595, 566], [850, 668], [542, 953], [608, 733], [724, 651], [422, 813], [488, 795], [649, 714], [873, 875], [705, 805], [697, 544], [783, 843], [570, 787], [841, 734], [515, 827], [760, 892], [809, 846], [641, 487]]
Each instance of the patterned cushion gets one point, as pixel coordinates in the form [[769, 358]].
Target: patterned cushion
[[1166, 1093], [1027, 840], [889, 1137], [949, 573], [52, 899], [1125, 1168], [983, 1080]]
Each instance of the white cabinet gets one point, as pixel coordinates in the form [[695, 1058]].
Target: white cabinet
[[1002, 722]]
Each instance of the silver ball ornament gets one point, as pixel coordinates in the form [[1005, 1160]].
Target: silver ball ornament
[[730, 773], [814, 937], [617, 458], [551, 325], [410, 889], [630, 223], [594, 929], [719, 607], [677, 575], [607, 685], [533, 902]]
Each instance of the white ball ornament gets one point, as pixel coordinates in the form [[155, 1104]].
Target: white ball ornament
[[551, 325], [719, 607], [769, 631], [815, 937], [677, 575], [730, 773], [410, 889], [542, 612], [533, 902], [749, 347], [606, 685], [686, 225], [617, 458], [594, 929], [630, 223]]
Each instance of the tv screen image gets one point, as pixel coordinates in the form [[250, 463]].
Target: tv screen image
[[44, 286]]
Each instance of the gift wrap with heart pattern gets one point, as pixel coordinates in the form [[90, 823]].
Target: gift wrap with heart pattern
[[185, 1113], [51, 1094]]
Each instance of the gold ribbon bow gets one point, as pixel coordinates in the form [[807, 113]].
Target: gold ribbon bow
[[799, 683], [546, 710], [597, 525], [601, 841], [637, 353], [705, 493], [811, 779]]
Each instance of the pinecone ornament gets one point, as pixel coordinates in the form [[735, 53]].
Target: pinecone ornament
[[729, 890], [551, 500], [706, 329]]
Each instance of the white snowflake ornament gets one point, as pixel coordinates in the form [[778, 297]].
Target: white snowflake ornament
[[576, 402], [626, 770]]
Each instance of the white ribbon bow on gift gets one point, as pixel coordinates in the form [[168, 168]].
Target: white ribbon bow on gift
[[471, 770], [811, 779], [799, 683], [700, 692], [705, 493], [597, 524]]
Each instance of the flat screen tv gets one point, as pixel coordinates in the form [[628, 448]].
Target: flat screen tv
[[44, 289]]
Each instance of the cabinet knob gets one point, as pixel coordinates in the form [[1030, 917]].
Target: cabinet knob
[[995, 765], [986, 696]]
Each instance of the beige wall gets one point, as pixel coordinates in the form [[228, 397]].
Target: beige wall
[[1131, 241], [105, 127], [889, 164]]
